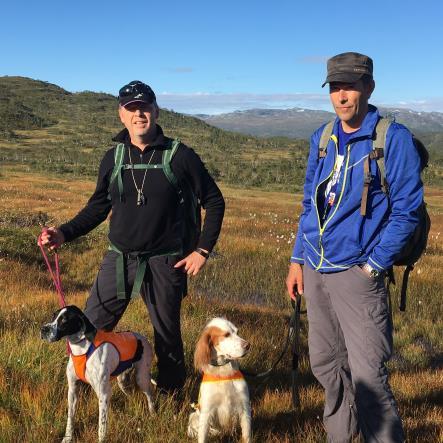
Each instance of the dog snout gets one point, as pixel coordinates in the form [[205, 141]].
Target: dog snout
[[246, 345], [44, 331], [47, 333]]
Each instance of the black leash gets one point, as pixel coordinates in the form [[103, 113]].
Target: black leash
[[295, 352], [293, 337]]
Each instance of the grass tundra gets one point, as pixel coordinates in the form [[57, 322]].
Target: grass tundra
[[244, 282]]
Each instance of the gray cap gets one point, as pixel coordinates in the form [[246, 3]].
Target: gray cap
[[348, 67]]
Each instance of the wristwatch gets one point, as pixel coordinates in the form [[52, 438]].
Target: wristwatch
[[202, 252], [374, 273]]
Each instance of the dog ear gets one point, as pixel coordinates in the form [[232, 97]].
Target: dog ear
[[90, 329], [202, 355]]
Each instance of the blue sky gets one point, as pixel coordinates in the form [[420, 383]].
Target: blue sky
[[212, 57]]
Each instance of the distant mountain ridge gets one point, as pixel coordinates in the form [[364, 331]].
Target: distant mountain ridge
[[45, 128], [300, 122]]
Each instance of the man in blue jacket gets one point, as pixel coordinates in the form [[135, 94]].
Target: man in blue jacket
[[340, 256]]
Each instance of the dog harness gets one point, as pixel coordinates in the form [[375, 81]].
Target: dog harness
[[126, 343], [210, 378]]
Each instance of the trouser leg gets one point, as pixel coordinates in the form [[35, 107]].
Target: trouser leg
[[361, 306], [329, 360], [162, 293], [103, 308]]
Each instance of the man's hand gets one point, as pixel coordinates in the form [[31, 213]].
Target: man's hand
[[52, 237], [192, 263], [294, 280]]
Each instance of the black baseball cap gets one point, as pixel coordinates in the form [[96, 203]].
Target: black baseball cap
[[135, 91], [348, 67]]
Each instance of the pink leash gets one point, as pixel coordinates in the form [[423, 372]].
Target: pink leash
[[55, 276], [56, 280]]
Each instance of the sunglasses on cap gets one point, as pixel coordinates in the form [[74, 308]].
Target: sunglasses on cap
[[134, 88]]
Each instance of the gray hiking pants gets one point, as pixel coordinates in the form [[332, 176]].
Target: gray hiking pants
[[350, 340]]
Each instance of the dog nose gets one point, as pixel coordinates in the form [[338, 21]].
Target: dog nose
[[246, 345], [43, 331]]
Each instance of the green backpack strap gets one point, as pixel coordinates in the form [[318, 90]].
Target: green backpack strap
[[117, 171], [189, 201], [324, 139], [168, 154]]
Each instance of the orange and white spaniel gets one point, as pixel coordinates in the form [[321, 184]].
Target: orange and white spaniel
[[224, 396]]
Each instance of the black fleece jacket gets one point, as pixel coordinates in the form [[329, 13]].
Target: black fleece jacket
[[157, 225]]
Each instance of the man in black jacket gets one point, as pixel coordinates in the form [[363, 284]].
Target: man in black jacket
[[146, 230]]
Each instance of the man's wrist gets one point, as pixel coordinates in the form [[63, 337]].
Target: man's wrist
[[371, 271], [202, 252]]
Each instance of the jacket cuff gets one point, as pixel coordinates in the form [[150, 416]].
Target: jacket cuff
[[375, 265], [300, 261], [205, 245], [66, 233]]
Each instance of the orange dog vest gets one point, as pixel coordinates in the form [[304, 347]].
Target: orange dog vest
[[126, 344]]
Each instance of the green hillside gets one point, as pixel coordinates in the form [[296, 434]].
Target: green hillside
[[44, 127]]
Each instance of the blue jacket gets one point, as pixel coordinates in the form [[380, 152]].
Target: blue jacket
[[346, 238]]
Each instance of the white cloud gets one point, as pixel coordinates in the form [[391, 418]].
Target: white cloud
[[426, 105], [218, 103], [209, 103]]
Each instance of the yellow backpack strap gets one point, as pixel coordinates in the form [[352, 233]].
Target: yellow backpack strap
[[324, 139]]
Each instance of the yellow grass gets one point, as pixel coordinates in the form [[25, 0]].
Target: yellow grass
[[244, 281]]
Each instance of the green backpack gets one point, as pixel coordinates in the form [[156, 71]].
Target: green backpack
[[416, 245], [190, 204]]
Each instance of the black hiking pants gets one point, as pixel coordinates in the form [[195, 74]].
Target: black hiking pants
[[162, 291]]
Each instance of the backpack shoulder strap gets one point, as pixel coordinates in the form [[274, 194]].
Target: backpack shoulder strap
[[324, 139], [422, 152], [116, 172], [167, 157], [378, 146]]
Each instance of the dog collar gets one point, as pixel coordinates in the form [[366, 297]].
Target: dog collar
[[223, 361], [236, 375]]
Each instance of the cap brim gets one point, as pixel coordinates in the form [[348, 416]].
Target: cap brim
[[343, 77], [135, 101]]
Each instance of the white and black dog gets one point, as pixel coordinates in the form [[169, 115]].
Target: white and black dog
[[95, 357], [224, 395]]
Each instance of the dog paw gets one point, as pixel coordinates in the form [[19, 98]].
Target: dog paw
[[67, 439], [192, 433]]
